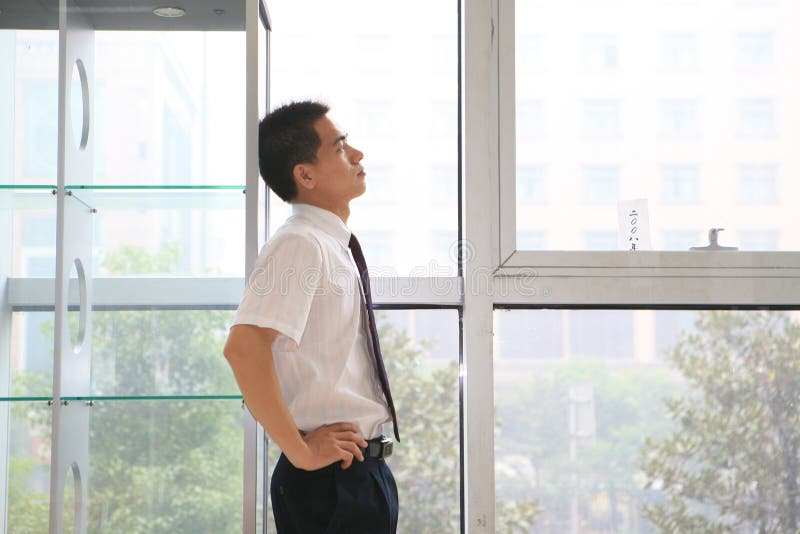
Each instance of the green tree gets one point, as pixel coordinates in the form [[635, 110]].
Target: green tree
[[732, 462], [533, 411]]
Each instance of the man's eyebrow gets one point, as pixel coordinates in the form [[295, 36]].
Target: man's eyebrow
[[342, 137]]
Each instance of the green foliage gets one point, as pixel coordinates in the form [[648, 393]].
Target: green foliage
[[28, 509], [732, 462], [533, 441]]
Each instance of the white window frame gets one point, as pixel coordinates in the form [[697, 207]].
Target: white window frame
[[535, 279]]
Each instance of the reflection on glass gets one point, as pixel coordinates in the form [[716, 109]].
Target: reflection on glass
[[692, 116], [161, 352], [28, 481], [672, 422], [177, 465], [169, 108], [168, 232], [31, 354], [28, 230], [420, 348], [28, 106], [408, 130]]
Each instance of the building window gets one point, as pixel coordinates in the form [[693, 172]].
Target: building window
[[444, 184], [374, 119], [679, 51], [758, 239], [757, 184], [600, 333], [380, 183], [601, 240], [601, 117], [530, 184], [754, 50], [680, 183], [529, 54], [40, 139], [756, 117], [601, 183], [531, 240], [682, 239], [600, 51], [530, 119], [680, 116]]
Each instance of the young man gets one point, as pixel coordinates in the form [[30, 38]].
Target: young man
[[304, 348]]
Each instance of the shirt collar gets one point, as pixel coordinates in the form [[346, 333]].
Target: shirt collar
[[326, 220]]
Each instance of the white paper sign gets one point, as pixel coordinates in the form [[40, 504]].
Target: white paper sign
[[634, 224]]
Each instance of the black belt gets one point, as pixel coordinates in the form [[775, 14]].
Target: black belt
[[380, 447]]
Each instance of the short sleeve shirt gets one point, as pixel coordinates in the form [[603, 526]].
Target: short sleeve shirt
[[305, 285]]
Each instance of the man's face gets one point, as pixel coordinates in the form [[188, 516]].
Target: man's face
[[338, 174]]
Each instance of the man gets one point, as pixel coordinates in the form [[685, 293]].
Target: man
[[304, 347]]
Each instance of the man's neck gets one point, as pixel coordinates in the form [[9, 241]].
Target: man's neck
[[341, 211]]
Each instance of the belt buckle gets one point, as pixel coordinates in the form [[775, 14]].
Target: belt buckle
[[386, 447], [379, 449]]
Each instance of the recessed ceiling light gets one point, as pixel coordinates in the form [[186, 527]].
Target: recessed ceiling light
[[169, 12]]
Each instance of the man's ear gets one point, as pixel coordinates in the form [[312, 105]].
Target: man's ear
[[302, 177]]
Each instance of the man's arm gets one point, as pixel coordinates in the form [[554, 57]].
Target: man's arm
[[249, 353]]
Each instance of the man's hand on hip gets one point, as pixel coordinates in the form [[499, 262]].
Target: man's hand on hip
[[331, 443]]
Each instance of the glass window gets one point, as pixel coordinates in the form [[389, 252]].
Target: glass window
[[532, 240], [683, 239], [170, 109], [680, 116], [600, 51], [679, 51], [680, 183], [407, 105], [601, 240], [754, 49], [756, 117], [758, 184], [592, 441], [531, 184], [758, 239], [601, 183], [601, 117], [530, 120], [172, 463], [26, 441]]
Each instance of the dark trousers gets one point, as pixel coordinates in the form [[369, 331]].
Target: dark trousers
[[359, 500]]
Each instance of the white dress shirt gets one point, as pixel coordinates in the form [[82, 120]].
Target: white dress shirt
[[305, 285]]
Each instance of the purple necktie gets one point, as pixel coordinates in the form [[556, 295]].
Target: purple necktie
[[361, 263]]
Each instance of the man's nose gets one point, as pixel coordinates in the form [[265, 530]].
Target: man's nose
[[356, 155]]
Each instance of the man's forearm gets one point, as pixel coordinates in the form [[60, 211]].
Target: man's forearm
[[255, 373]]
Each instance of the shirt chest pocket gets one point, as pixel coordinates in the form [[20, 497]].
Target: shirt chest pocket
[[344, 294]]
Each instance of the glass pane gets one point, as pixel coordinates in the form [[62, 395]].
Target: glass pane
[[420, 348], [28, 106], [31, 355], [169, 108], [161, 352], [389, 113], [160, 232], [166, 466], [27, 447], [688, 108], [646, 421], [27, 232]]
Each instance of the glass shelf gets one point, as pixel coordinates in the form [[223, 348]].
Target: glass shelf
[[27, 186], [116, 398]]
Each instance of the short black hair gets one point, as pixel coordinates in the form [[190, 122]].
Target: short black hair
[[287, 137]]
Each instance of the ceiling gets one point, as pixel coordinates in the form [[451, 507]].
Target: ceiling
[[125, 14]]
